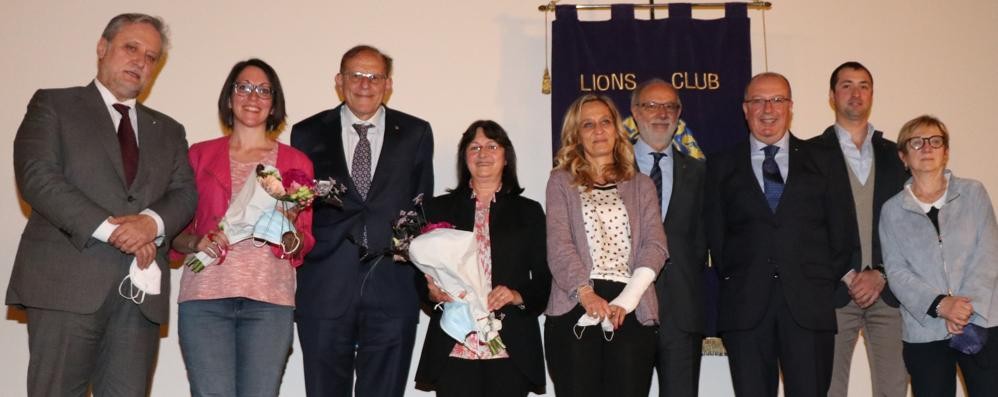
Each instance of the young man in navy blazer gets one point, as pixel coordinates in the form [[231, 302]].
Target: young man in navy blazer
[[868, 164]]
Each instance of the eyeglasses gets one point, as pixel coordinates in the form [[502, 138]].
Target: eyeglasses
[[652, 106], [490, 148], [759, 103], [358, 77], [245, 89], [936, 141]]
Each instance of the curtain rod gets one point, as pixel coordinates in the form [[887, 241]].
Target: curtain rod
[[757, 5]]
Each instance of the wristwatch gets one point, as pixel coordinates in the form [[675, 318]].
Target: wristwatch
[[883, 273]]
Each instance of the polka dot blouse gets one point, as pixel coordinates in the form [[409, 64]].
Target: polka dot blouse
[[608, 232]]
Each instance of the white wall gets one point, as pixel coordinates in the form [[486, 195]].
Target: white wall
[[461, 61]]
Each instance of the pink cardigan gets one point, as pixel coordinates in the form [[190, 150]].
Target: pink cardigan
[[210, 161], [568, 247]]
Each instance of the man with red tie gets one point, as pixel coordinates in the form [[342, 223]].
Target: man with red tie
[[108, 183]]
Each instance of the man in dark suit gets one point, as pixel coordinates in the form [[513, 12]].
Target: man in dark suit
[[869, 165], [777, 236], [356, 308], [108, 181], [679, 179]]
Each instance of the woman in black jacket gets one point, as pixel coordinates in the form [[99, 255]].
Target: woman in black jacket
[[510, 235]]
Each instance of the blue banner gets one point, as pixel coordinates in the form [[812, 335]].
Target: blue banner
[[708, 61]]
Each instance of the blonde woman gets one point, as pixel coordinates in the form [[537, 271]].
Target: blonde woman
[[605, 246]]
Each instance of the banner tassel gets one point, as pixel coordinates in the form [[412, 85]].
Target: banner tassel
[[546, 78]]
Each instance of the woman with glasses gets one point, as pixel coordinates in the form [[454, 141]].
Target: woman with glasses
[[235, 317], [509, 233], [606, 245], [940, 245]]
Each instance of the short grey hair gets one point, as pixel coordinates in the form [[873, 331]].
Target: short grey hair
[[116, 23], [636, 93]]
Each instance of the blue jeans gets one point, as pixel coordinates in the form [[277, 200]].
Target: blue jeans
[[235, 346]]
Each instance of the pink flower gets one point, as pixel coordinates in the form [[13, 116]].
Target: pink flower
[[295, 178], [433, 226], [273, 186]]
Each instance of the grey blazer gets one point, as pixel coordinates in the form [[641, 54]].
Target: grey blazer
[[68, 167], [568, 248], [921, 267]]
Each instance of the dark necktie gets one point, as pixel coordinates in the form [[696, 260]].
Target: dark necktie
[[656, 174], [361, 170], [772, 181], [129, 146]]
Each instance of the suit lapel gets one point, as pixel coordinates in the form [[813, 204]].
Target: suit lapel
[[151, 139], [333, 135], [681, 181], [886, 174], [389, 145], [748, 174], [795, 163], [106, 131]]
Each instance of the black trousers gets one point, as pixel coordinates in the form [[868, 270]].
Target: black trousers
[[933, 365], [756, 356], [594, 366], [485, 378], [678, 361]]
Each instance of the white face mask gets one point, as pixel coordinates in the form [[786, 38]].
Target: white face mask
[[142, 282], [587, 321]]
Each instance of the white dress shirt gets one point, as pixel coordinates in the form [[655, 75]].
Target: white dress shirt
[[375, 135], [860, 160], [642, 156]]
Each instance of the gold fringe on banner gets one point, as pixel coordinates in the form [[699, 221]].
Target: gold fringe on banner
[[713, 347]]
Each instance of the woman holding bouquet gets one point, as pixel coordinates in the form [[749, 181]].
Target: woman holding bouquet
[[509, 232], [605, 246], [235, 318], [940, 245]]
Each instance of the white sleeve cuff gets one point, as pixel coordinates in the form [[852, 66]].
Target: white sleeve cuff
[[631, 295], [160, 229], [104, 231]]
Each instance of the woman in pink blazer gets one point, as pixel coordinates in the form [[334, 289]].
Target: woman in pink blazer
[[235, 318]]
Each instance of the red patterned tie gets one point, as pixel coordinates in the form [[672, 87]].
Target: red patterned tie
[[129, 146]]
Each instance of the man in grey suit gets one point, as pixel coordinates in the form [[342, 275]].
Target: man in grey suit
[[679, 179], [108, 182]]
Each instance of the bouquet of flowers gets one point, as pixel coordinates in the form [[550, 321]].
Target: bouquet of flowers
[[406, 227], [296, 187], [260, 210], [450, 257]]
